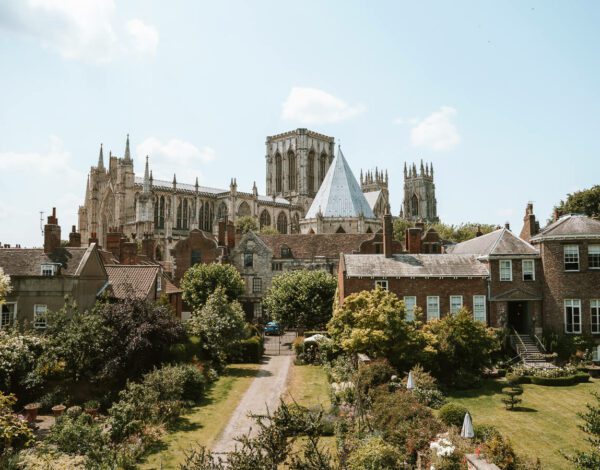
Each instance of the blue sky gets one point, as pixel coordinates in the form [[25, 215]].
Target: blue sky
[[502, 97]]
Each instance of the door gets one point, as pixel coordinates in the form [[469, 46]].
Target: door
[[518, 314]]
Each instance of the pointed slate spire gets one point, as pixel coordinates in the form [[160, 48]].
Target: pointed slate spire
[[127, 157], [101, 159], [146, 177]]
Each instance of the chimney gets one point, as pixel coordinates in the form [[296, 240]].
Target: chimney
[[388, 234], [221, 233], [530, 225], [413, 239], [51, 233], [148, 247], [556, 215], [230, 235], [128, 253], [74, 238], [507, 225], [93, 239], [114, 242]]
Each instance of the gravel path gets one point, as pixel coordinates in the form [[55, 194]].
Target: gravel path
[[264, 392]]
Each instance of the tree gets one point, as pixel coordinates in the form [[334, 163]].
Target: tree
[[5, 287], [301, 299], [246, 224], [400, 226], [586, 201], [588, 460], [220, 323], [462, 232], [463, 348], [268, 230], [373, 322], [201, 280]]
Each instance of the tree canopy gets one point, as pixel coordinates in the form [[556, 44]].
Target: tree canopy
[[454, 233], [246, 224], [301, 299], [5, 287], [201, 280], [586, 201]]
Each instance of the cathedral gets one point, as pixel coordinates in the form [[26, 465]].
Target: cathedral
[[310, 189]]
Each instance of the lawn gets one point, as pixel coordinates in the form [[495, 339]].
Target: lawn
[[308, 386], [546, 423], [203, 424]]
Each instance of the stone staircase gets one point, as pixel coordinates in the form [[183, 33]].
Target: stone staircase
[[530, 351]]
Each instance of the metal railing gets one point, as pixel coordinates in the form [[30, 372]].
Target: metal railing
[[540, 344]]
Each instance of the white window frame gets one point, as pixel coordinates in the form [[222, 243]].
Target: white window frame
[[453, 308], [593, 250], [595, 316], [257, 309], [530, 270], [11, 321], [47, 269], [383, 283], [433, 313], [503, 270], [575, 257], [572, 304], [480, 308], [410, 303], [596, 353], [37, 324], [159, 283]]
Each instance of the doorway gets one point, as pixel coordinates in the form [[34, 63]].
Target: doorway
[[518, 316]]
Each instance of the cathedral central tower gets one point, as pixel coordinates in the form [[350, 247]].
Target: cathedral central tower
[[419, 194]]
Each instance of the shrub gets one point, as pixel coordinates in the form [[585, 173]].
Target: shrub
[[512, 396], [561, 381], [177, 383], [372, 375], [18, 355], [429, 397], [452, 414], [249, 350], [423, 379], [14, 432], [484, 432], [298, 346], [78, 436], [375, 454]]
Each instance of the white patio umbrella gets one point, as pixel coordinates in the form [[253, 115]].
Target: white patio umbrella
[[410, 383], [467, 427]]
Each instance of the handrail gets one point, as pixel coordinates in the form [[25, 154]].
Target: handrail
[[520, 340], [540, 344]]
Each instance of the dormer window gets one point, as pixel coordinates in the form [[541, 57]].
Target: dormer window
[[286, 252], [48, 270]]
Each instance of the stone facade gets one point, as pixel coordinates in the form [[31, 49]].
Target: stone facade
[[419, 194]]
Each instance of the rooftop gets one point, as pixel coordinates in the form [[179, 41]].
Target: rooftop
[[131, 280], [28, 261], [501, 242], [570, 226], [308, 246]]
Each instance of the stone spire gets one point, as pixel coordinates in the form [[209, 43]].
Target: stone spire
[[254, 190], [127, 157], [405, 171], [196, 186], [146, 178], [101, 159], [151, 179], [174, 181], [422, 169]]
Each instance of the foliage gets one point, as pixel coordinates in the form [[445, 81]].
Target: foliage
[[500, 451], [589, 459], [201, 280], [512, 396], [249, 350], [586, 201], [423, 380], [568, 347], [301, 299], [5, 287], [370, 376], [463, 348], [462, 232], [403, 421], [80, 435], [373, 322], [400, 227], [452, 414], [14, 432], [268, 230], [432, 398], [48, 457], [220, 323], [183, 382], [246, 224], [375, 454], [18, 355], [557, 376]]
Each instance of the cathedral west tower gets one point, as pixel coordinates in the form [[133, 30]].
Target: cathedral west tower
[[419, 194]]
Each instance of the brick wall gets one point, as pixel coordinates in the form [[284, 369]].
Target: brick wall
[[182, 252]]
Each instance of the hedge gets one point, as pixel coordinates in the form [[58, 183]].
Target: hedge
[[579, 377], [250, 350], [184, 352]]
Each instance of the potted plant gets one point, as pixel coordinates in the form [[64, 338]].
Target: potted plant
[[91, 407], [31, 412], [58, 410]]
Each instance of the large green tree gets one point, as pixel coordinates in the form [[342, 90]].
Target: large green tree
[[586, 201], [463, 347], [246, 224], [454, 233], [201, 280], [374, 322], [301, 299]]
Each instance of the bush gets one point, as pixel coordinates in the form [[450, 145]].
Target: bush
[[372, 375], [249, 350], [484, 432], [78, 436], [429, 397], [175, 383], [580, 377], [298, 346], [14, 432], [375, 454], [452, 414]]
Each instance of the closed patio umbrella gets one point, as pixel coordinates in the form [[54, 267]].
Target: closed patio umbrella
[[410, 383], [467, 427]]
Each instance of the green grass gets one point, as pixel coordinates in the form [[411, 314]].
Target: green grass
[[308, 386], [203, 424], [545, 423]]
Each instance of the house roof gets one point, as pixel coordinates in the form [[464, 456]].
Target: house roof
[[28, 261], [570, 226], [501, 242], [131, 280], [340, 194], [444, 265], [308, 246]]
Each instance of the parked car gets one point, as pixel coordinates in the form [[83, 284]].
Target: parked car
[[273, 328]]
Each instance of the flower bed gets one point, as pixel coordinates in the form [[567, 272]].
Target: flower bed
[[559, 376]]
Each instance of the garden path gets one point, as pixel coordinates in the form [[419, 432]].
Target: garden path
[[264, 392]]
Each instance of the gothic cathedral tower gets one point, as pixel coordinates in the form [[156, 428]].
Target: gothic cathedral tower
[[297, 162], [419, 194]]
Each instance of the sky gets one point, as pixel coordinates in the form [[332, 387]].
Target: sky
[[502, 97]]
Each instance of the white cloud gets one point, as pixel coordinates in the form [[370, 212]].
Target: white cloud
[[144, 36], [86, 30], [437, 131], [314, 106], [173, 156]]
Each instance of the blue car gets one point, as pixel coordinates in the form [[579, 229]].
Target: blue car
[[273, 328]]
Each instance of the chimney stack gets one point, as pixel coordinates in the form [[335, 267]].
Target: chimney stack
[[74, 238], [388, 233], [128, 252], [530, 225], [221, 232], [230, 235], [148, 246], [51, 233], [507, 225], [413, 238], [557, 214]]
